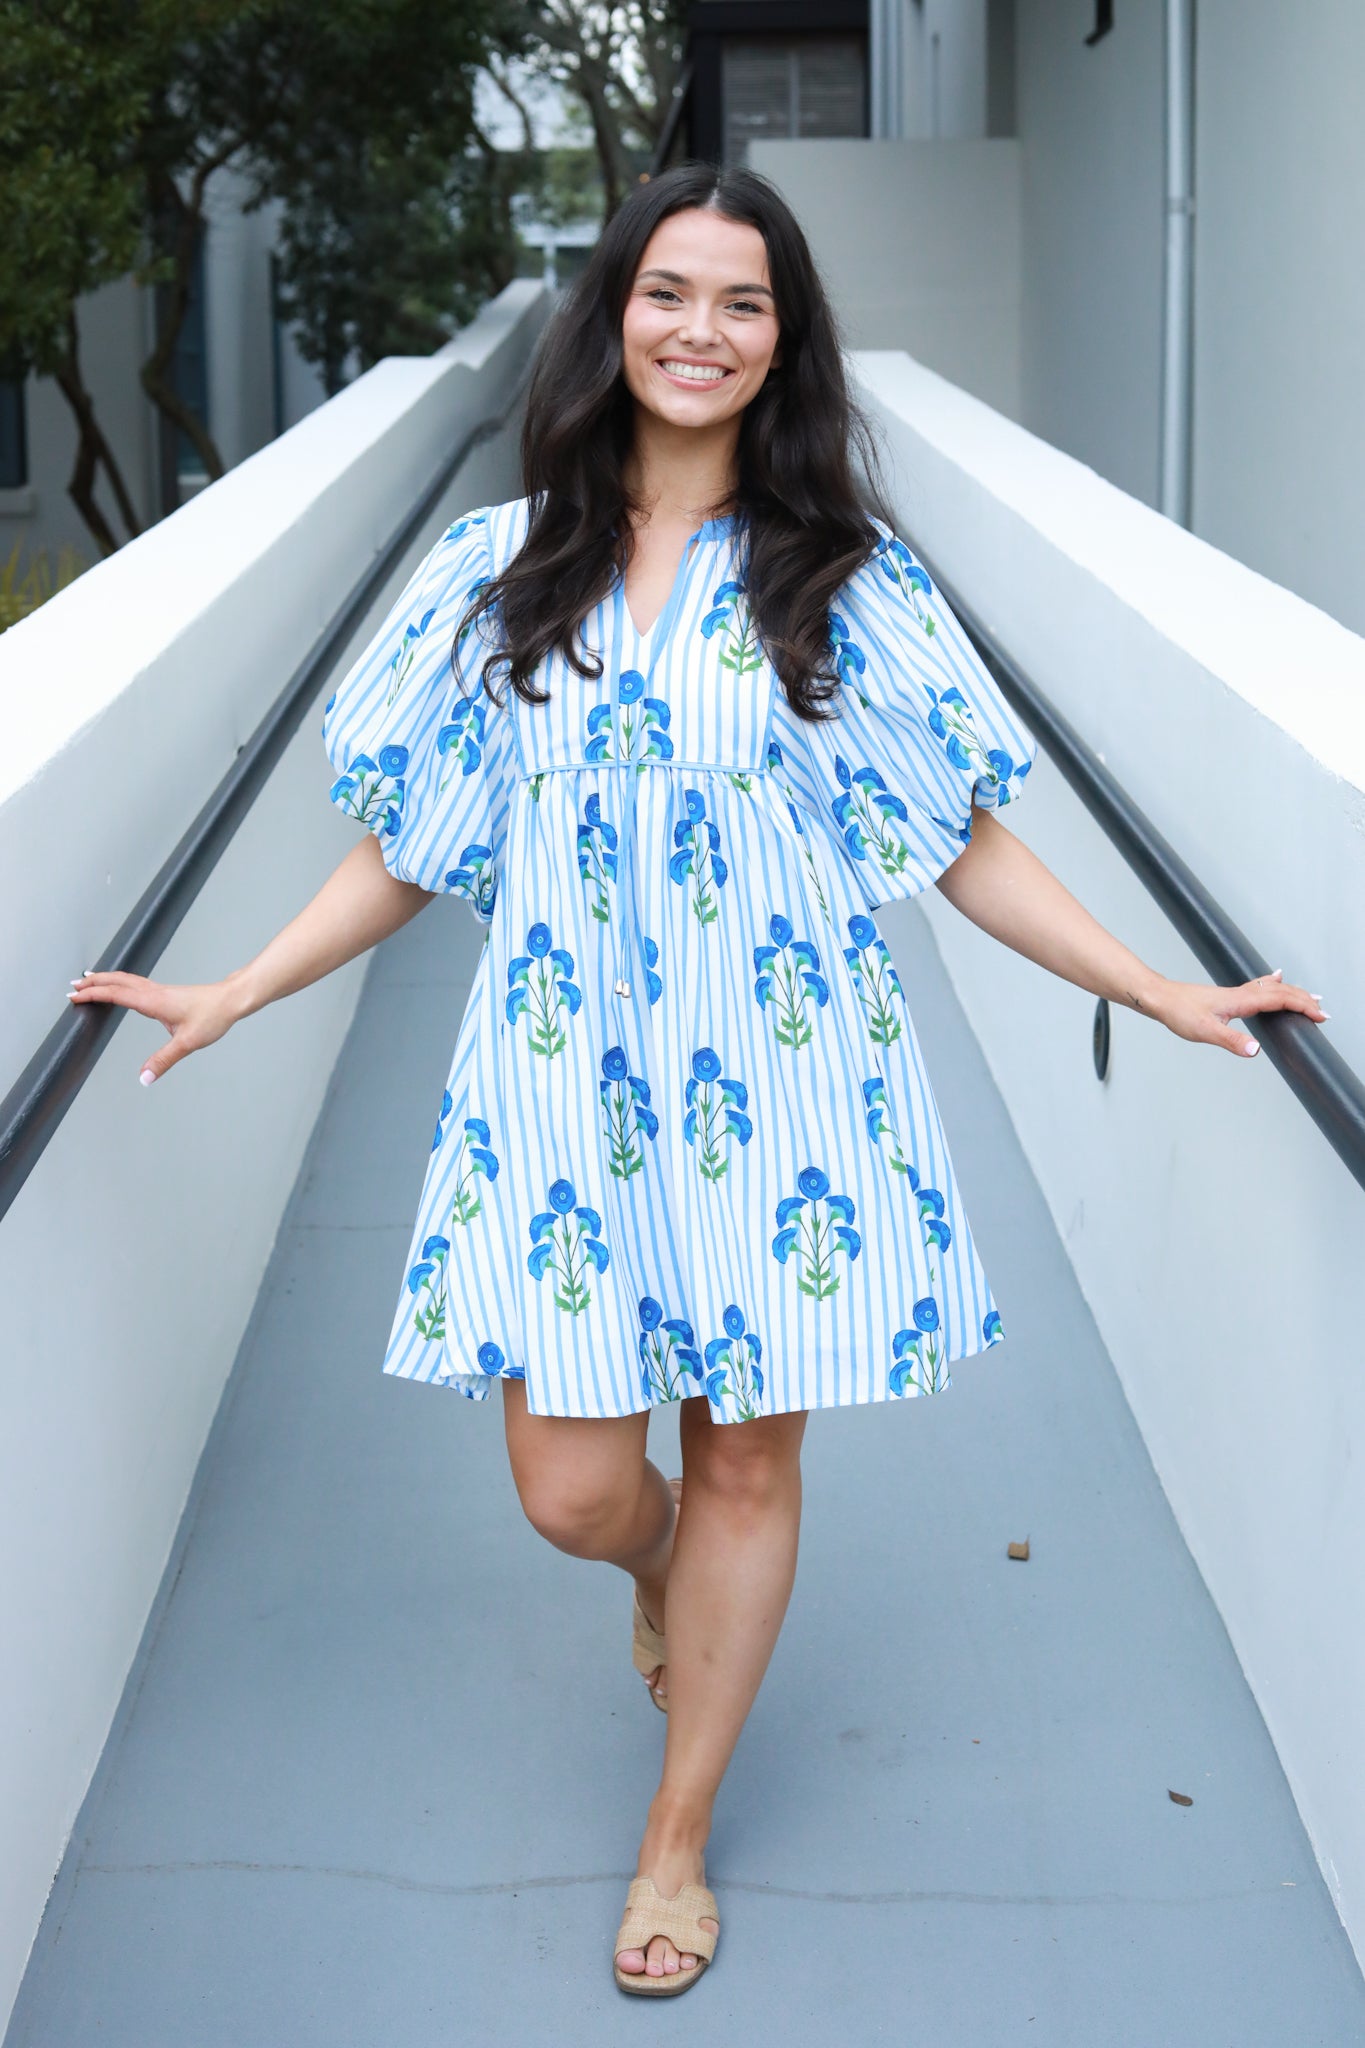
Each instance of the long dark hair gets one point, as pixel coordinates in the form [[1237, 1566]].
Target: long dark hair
[[801, 511]]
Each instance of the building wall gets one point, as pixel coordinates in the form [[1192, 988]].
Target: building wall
[[1279, 422], [1214, 1230], [131, 1258], [1090, 146], [918, 243]]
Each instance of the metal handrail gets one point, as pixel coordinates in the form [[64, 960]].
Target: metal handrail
[[34, 1107], [1330, 1090]]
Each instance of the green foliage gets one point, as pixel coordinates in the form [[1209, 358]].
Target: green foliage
[[22, 591]]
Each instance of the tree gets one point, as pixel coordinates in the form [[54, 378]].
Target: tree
[[116, 115], [621, 59]]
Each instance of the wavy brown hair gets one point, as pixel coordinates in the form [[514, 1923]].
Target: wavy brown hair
[[802, 513]]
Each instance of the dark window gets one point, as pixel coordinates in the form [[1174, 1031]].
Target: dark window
[[802, 86], [13, 438], [189, 366]]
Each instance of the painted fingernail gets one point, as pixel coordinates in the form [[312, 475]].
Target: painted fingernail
[[146, 1077], [1252, 1045], [1324, 1018], [1277, 970]]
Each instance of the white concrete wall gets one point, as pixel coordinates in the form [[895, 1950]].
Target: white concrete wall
[[1090, 143], [918, 243], [1216, 1234], [1279, 436], [130, 1261]]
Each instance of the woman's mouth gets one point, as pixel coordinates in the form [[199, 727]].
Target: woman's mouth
[[692, 374]]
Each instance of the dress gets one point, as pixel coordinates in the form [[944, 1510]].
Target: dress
[[687, 1146]]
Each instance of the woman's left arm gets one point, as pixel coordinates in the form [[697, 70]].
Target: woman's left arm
[[1003, 887]]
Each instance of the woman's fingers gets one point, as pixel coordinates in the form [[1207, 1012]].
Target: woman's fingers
[[131, 991], [1255, 998]]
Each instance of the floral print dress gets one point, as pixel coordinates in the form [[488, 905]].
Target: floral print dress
[[687, 1146]]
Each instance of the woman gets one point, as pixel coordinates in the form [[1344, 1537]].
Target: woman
[[700, 717]]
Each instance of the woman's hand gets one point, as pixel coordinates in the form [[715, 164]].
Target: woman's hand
[[1194, 1009], [359, 904], [195, 1016], [1001, 885]]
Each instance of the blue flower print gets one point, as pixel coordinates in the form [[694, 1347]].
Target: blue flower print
[[950, 720], [427, 1285], [877, 982], [937, 1234], [371, 790], [668, 1353], [407, 646], [919, 1365], [442, 1113], [899, 566], [849, 660], [643, 734], [716, 1112], [474, 1160], [566, 1241], [862, 810], [463, 736], [698, 855], [597, 843], [733, 1371], [882, 1131], [626, 1113], [815, 1225], [789, 981], [539, 986], [731, 618], [778, 767], [493, 1361], [654, 983], [476, 877], [992, 1329]]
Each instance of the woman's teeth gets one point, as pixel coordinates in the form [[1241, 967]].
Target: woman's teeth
[[695, 373]]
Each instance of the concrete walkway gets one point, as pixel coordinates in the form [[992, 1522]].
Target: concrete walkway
[[380, 1768]]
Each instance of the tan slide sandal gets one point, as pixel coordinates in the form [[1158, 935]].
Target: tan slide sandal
[[679, 1919], [647, 1650]]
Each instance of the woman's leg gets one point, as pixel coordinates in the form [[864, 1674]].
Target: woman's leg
[[733, 1564], [589, 1489]]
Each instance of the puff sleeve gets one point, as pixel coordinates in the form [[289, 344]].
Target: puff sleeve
[[423, 757], [923, 732]]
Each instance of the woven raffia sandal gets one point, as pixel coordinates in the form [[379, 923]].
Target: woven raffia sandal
[[647, 1651], [649, 1913]]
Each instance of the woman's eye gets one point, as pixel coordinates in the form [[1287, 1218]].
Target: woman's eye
[[661, 291], [744, 306]]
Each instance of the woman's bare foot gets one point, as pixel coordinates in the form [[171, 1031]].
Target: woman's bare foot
[[673, 1854], [656, 1680]]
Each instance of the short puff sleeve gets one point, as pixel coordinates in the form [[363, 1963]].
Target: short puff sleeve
[[424, 757], [923, 731]]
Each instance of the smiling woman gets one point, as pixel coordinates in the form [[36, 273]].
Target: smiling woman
[[676, 723]]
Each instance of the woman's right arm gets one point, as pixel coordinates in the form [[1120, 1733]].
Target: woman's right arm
[[359, 904]]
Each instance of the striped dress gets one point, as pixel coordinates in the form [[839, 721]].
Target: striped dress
[[687, 1146]]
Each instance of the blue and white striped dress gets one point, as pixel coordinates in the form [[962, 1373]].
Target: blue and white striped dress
[[687, 1145]]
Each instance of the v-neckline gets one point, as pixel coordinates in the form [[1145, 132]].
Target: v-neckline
[[685, 561]]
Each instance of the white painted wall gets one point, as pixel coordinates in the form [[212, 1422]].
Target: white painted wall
[[1279, 439], [1215, 1233], [918, 243], [130, 1261]]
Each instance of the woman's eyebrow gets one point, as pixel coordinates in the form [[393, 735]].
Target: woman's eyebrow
[[676, 277]]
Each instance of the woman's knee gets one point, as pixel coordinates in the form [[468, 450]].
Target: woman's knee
[[750, 1464], [584, 1520]]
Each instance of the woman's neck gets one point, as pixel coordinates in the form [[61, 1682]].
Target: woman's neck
[[681, 475]]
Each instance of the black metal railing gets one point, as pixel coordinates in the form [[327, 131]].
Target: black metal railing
[[50, 1083], [1329, 1090]]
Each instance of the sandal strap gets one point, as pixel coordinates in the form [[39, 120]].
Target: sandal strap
[[647, 1648], [649, 1913]]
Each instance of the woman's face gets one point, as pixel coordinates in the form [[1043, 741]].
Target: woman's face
[[700, 329]]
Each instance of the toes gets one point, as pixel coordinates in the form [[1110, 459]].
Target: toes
[[631, 1960], [661, 1958]]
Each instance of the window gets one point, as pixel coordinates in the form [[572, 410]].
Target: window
[[189, 367], [803, 86], [13, 436]]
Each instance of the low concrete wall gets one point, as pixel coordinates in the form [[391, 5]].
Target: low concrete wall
[[1215, 1233], [918, 243], [131, 1260]]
